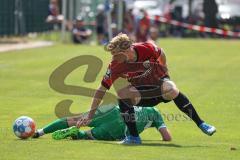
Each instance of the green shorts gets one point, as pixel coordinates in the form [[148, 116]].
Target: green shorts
[[108, 126], [114, 130]]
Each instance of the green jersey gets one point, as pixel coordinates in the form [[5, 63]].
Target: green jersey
[[109, 125]]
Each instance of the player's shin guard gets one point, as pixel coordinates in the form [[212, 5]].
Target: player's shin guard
[[128, 115], [185, 106]]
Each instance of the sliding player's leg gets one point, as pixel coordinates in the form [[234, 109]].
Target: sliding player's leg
[[104, 113], [104, 123], [65, 133], [112, 128], [73, 133], [61, 123], [58, 124]]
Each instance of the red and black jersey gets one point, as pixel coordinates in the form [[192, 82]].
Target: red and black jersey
[[146, 70]]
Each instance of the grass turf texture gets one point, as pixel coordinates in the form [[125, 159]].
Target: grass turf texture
[[205, 70]]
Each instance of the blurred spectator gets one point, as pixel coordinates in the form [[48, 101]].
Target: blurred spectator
[[114, 29], [236, 28], [54, 15], [128, 23], [100, 20], [210, 10], [154, 33], [114, 22], [143, 24], [177, 31], [80, 33], [167, 11]]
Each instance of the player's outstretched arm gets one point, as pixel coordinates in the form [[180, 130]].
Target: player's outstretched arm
[[99, 94], [160, 125], [97, 100]]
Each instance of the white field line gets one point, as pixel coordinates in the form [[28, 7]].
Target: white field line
[[26, 45]]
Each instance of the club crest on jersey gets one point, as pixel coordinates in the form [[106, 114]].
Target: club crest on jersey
[[146, 64]]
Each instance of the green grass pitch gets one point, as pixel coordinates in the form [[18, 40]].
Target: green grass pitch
[[208, 71]]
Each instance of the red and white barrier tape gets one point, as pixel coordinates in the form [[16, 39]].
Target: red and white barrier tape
[[199, 28]]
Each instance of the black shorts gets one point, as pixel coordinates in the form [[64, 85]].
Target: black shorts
[[151, 95]]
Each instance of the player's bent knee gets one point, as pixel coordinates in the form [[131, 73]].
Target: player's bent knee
[[169, 90], [123, 93]]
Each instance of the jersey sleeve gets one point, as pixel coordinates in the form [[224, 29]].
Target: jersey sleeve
[[158, 120], [155, 49], [111, 75]]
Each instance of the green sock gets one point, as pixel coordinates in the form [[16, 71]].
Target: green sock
[[56, 125], [82, 135]]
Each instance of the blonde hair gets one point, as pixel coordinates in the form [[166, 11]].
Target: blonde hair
[[120, 43]]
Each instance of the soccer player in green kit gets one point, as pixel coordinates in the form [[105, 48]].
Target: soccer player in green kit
[[107, 126]]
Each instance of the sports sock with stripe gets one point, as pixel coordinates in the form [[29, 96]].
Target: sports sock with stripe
[[186, 106], [128, 114]]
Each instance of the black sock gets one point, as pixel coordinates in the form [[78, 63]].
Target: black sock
[[185, 106], [127, 112]]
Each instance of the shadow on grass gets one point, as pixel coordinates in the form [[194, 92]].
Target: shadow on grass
[[150, 143], [153, 143]]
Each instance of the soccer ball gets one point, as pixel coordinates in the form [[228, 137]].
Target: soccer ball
[[24, 127]]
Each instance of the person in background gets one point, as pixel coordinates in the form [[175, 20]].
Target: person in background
[[114, 22], [144, 24], [154, 34], [177, 14], [236, 28], [154, 31], [128, 24], [100, 22], [210, 10], [54, 15], [80, 33]]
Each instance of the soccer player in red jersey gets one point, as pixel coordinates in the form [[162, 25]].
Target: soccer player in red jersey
[[144, 66]]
